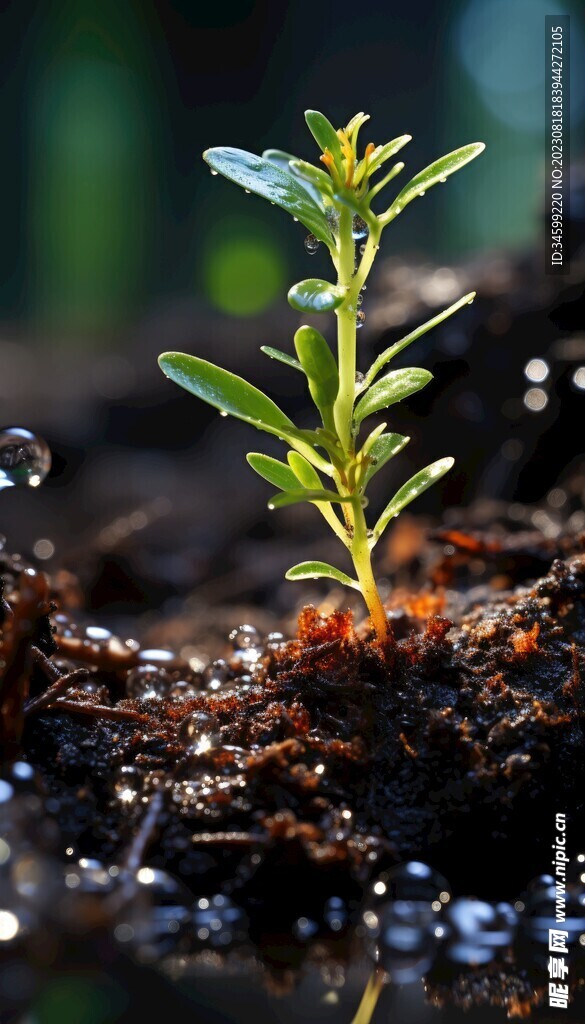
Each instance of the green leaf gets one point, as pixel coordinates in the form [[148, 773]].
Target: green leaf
[[303, 494], [320, 570], [325, 135], [286, 162], [382, 450], [255, 174], [316, 359], [399, 346], [275, 472], [307, 476], [385, 152], [315, 296], [234, 396], [313, 175], [281, 357], [302, 472], [411, 490], [435, 172], [392, 388]]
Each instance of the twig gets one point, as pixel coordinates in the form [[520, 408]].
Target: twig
[[135, 855], [60, 684], [97, 710]]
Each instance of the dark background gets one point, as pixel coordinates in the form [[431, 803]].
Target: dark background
[[117, 244]]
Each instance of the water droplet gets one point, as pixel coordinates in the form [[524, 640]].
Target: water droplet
[[359, 299], [148, 681], [275, 640], [215, 173], [247, 191], [215, 675], [360, 318], [442, 179], [244, 636], [400, 938], [97, 635], [223, 413], [420, 195], [479, 930], [199, 731], [296, 220], [218, 922], [153, 656], [160, 916], [540, 913], [359, 378], [311, 244], [362, 250], [182, 689], [412, 880], [359, 228], [25, 458]]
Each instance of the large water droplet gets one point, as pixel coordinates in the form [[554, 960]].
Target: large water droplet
[[360, 318], [215, 675], [25, 458], [311, 244], [412, 880], [148, 681], [244, 636], [159, 918], [359, 228], [199, 732], [540, 913], [479, 930], [400, 937]]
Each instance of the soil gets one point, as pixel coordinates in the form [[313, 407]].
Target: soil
[[332, 759]]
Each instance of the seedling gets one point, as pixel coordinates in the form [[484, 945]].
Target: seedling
[[334, 202]]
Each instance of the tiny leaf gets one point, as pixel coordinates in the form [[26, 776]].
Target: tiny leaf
[[286, 162], [266, 179], [315, 296], [411, 490], [319, 570], [317, 361], [392, 388], [385, 152], [399, 346], [302, 472], [275, 472], [435, 172], [303, 494], [281, 357], [382, 450], [324, 134]]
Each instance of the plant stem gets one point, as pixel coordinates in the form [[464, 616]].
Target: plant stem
[[362, 559], [346, 333], [370, 998], [343, 409]]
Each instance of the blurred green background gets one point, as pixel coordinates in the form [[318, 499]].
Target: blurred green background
[[107, 209]]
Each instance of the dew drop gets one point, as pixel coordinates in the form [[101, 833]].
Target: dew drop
[[360, 318], [359, 299], [25, 458], [247, 191], [215, 173], [223, 413], [244, 636], [215, 675], [442, 180], [147, 682], [199, 732], [359, 228], [420, 195], [362, 250], [296, 220], [311, 244]]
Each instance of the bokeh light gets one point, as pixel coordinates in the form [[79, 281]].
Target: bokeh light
[[244, 268]]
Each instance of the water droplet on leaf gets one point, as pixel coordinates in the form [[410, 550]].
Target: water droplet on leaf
[[360, 318], [311, 244]]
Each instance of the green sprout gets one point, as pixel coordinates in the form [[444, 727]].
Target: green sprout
[[334, 202]]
